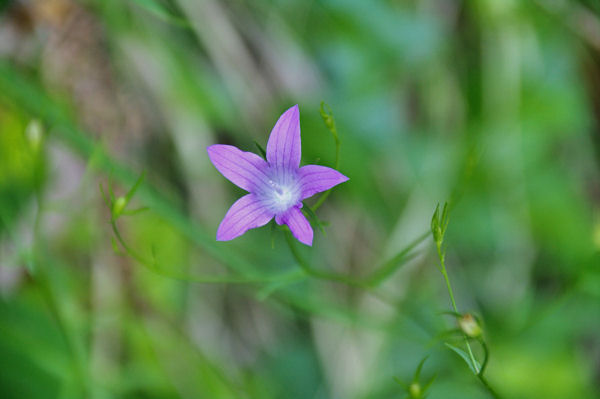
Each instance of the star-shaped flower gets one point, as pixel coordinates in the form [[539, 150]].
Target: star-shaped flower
[[276, 186]]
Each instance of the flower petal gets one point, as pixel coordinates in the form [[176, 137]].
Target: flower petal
[[315, 178], [283, 147], [299, 226], [246, 213], [244, 169]]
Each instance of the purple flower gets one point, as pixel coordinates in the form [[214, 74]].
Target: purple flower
[[276, 186]]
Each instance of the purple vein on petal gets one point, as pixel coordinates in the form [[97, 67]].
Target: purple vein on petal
[[245, 169], [246, 213], [299, 226], [315, 179], [284, 147]]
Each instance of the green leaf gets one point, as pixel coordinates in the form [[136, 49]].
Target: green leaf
[[428, 383], [400, 382], [313, 216], [397, 261], [435, 223], [105, 197], [474, 367], [451, 313], [111, 193], [137, 184], [445, 218], [419, 368], [260, 149]]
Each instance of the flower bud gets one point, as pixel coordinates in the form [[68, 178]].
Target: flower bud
[[470, 326], [34, 133], [414, 390], [118, 206]]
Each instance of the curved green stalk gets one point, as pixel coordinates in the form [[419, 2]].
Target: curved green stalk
[[334, 277], [327, 115], [486, 356], [309, 270]]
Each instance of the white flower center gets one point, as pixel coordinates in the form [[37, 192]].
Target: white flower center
[[281, 194]]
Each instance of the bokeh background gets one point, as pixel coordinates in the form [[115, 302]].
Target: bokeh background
[[492, 105]]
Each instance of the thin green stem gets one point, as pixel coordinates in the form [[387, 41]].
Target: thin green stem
[[486, 355], [339, 278], [478, 372], [445, 274], [319, 273], [454, 307], [487, 386], [323, 197]]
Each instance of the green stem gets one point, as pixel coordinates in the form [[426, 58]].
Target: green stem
[[487, 386], [445, 274], [486, 355], [451, 293], [323, 275], [479, 372], [319, 273], [337, 166]]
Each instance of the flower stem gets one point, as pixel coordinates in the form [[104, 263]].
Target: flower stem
[[309, 270], [454, 307], [335, 277], [478, 371], [327, 115], [487, 386]]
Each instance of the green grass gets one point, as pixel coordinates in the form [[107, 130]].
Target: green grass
[[488, 106]]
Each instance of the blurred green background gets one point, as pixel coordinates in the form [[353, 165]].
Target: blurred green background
[[492, 105]]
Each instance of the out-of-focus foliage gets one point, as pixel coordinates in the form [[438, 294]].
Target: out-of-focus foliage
[[21, 164], [493, 106]]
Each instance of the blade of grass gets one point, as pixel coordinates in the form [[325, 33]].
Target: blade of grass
[[392, 265]]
